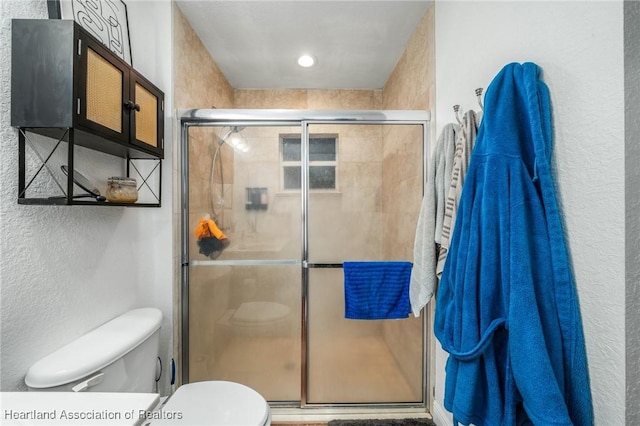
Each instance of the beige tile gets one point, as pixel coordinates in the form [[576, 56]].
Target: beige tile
[[270, 365], [269, 99], [344, 99], [198, 82], [360, 369], [415, 71]]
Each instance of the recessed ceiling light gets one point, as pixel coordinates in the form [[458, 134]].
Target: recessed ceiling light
[[306, 61]]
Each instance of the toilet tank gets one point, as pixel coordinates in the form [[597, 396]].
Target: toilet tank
[[118, 356]]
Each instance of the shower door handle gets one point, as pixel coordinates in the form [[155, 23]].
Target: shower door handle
[[307, 265]]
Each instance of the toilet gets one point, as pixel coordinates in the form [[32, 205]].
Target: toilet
[[116, 364], [257, 319]]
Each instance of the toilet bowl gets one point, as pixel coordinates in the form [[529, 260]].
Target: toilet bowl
[[260, 312], [117, 359], [229, 403], [211, 403], [257, 319]]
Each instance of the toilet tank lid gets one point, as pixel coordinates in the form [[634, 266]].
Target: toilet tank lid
[[95, 350]]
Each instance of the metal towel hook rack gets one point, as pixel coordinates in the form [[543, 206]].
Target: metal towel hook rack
[[479, 91], [456, 109]]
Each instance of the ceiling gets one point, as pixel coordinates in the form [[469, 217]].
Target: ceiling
[[256, 43]]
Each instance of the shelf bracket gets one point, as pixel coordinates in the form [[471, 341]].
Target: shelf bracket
[[145, 179], [23, 139]]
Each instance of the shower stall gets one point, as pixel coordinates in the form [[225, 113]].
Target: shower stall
[[296, 193]]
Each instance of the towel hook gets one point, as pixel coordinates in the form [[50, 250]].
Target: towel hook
[[456, 109], [479, 91]]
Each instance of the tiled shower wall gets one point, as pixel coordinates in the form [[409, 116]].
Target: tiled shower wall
[[198, 83], [410, 86]]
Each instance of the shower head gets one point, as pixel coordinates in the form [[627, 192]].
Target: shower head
[[231, 131], [234, 138]]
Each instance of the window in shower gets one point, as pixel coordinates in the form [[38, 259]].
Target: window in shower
[[322, 162]]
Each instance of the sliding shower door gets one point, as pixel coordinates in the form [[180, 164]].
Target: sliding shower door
[[364, 193], [245, 300], [296, 194]]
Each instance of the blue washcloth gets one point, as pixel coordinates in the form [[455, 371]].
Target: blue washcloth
[[376, 290]]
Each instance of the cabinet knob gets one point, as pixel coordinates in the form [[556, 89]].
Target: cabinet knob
[[132, 105]]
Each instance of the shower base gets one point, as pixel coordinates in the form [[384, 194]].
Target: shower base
[[356, 370]]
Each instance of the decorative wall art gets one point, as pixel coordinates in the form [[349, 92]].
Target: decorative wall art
[[104, 19]]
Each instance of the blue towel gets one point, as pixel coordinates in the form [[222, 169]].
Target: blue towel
[[376, 290]]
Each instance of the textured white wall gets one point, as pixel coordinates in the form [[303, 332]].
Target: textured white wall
[[632, 207], [150, 30], [579, 46], [66, 270]]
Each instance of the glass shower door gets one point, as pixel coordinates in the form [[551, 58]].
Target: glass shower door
[[245, 300], [365, 189], [297, 195]]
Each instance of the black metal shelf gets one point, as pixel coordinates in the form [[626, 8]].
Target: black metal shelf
[[95, 142], [67, 136], [65, 202]]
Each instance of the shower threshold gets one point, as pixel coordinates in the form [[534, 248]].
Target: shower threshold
[[324, 415]]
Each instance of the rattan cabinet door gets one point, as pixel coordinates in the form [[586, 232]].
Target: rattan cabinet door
[[103, 92], [104, 104], [117, 102], [147, 117]]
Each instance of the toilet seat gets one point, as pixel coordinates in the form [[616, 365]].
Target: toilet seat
[[251, 313], [214, 403]]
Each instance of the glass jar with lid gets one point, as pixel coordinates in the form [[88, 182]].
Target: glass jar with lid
[[122, 190]]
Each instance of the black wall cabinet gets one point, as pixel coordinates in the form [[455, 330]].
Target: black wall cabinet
[[66, 85]]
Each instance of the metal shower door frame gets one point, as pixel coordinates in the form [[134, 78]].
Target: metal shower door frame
[[285, 117]]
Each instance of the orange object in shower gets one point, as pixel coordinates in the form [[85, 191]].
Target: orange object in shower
[[208, 228]]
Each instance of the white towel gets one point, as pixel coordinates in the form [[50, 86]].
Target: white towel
[[430, 220], [464, 144]]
